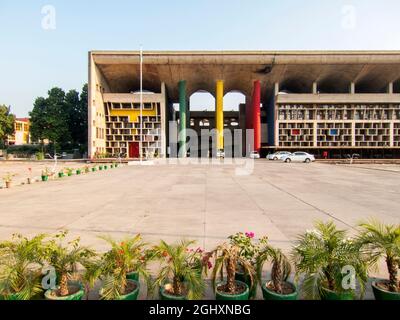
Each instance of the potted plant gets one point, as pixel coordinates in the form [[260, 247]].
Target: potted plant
[[181, 273], [101, 168], [78, 172], [45, 174], [105, 167], [65, 260], [61, 174], [20, 268], [69, 171], [383, 241], [249, 250], [94, 169], [8, 178], [227, 256], [322, 255], [279, 288], [87, 169], [119, 269]]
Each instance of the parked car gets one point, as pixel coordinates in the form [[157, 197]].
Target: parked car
[[299, 157], [254, 155], [278, 155], [221, 154]]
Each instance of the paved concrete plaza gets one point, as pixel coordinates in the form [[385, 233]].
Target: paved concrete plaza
[[206, 203], [203, 202]]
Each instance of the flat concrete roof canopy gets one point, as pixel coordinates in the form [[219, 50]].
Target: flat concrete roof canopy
[[371, 71]]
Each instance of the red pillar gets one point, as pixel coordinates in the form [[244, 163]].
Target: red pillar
[[256, 116]]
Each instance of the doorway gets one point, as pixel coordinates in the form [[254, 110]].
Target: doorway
[[134, 151]]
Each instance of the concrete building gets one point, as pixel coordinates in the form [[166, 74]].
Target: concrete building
[[21, 134], [332, 103]]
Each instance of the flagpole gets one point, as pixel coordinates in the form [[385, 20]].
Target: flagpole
[[141, 103]]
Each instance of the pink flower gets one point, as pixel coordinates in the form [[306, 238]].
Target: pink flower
[[209, 265], [250, 235]]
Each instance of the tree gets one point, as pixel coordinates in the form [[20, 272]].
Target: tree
[[6, 122], [49, 118], [76, 108]]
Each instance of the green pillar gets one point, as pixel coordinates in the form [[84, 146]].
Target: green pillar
[[182, 118]]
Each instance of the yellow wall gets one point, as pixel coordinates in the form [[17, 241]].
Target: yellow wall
[[132, 114]]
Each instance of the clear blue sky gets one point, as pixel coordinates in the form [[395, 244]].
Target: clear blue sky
[[33, 59]]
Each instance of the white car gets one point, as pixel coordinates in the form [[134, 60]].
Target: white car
[[254, 155], [221, 154], [299, 157], [278, 155]]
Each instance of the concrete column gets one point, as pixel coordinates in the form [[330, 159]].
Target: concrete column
[[315, 88], [276, 88], [390, 88], [219, 114], [352, 88], [182, 119], [256, 109]]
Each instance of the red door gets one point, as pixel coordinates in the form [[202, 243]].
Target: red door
[[134, 150]]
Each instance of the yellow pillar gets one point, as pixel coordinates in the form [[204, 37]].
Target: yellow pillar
[[219, 114]]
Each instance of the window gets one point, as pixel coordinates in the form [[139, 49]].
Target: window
[[126, 106], [295, 132]]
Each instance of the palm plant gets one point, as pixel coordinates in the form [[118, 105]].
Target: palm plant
[[227, 256], [65, 259], [322, 254], [114, 266], [20, 267], [281, 267], [382, 241], [182, 268]]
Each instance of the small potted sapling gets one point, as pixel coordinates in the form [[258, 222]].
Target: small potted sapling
[[325, 256], [379, 241], [46, 174], [181, 273], [119, 269], [278, 288], [8, 178], [94, 169], [20, 268], [65, 259], [69, 171], [78, 171], [227, 258], [87, 169], [61, 174]]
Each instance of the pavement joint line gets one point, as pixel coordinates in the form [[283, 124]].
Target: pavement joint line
[[187, 236], [371, 169], [306, 203]]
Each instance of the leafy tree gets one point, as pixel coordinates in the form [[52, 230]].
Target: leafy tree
[[76, 108], [48, 118], [6, 123], [61, 118]]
